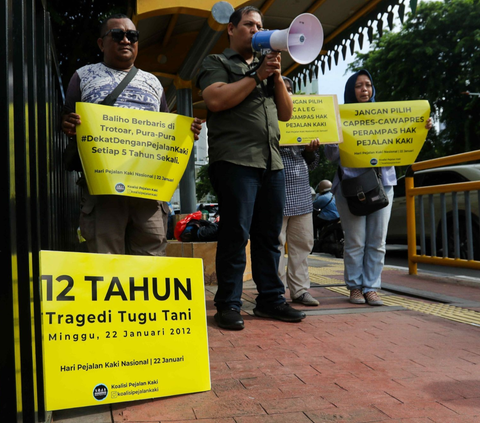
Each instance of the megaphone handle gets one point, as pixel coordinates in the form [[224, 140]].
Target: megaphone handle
[[270, 85]]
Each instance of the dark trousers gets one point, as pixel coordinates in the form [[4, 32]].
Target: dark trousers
[[251, 203]]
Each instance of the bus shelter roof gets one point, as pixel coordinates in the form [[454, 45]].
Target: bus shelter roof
[[177, 34]]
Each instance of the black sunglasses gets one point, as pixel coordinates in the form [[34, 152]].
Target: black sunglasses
[[118, 35]]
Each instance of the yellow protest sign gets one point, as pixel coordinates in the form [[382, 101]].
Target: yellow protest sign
[[384, 133], [314, 116], [121, 328], [135, 153]]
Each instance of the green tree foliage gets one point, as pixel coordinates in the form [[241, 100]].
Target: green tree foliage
[[76, 28], [203, 185], [435, 56]]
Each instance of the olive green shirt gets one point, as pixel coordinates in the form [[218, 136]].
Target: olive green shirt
[[247, 134]]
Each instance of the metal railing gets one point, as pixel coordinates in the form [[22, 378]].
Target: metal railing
[[456, 234], [39, 200]]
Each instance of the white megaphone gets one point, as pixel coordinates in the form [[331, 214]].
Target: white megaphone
[[303, 39]]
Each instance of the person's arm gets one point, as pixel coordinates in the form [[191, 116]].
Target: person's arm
[[221, 96], [163, 103], [319, 202], [70, 119], [196, 128], [332, 152], [283, 100], [311, 154], [69, 124]]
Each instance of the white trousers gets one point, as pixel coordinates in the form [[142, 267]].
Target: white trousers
[[364, 244]]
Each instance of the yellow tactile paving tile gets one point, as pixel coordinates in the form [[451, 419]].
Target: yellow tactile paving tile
[[446, 311], [458, 314], [322, 271], [340, 290], [319, 275], [336, 261], [322, 280]]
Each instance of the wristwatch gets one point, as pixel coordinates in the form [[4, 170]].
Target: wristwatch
[[254, 76]]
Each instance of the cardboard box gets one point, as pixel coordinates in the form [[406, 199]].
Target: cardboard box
[[207, 252]]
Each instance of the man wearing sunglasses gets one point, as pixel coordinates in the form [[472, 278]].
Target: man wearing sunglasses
[[110, 223]]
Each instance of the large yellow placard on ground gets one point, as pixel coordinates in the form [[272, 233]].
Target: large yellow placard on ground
[[121, 328], [135, 153], [384, 133], [314, 116]]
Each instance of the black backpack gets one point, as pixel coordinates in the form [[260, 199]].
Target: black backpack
[[199, 231]]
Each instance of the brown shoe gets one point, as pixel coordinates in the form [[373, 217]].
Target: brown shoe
[[356, 296], [373, 299]]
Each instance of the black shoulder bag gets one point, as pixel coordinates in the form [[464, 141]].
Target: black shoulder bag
[[71, 158], [365, 193]]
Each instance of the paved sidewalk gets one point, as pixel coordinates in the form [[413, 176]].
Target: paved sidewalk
[[414, 360]]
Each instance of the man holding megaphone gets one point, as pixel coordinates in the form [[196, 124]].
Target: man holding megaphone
[[246, 169]]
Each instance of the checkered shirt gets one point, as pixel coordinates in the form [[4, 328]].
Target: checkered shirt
[[297, 186]]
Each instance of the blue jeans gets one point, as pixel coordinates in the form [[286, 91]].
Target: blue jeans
[[250, 203], [365, 237]]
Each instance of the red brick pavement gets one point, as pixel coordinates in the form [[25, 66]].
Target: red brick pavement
[[351, 364]]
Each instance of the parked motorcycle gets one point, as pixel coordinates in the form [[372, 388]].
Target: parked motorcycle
[[328, 236]]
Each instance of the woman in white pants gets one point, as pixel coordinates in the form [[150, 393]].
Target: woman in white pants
[[365, 236]]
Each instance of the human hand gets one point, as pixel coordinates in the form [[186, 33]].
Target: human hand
[[429, 124], [271, 65], [314, 145], [69, 124], [196, 128]]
